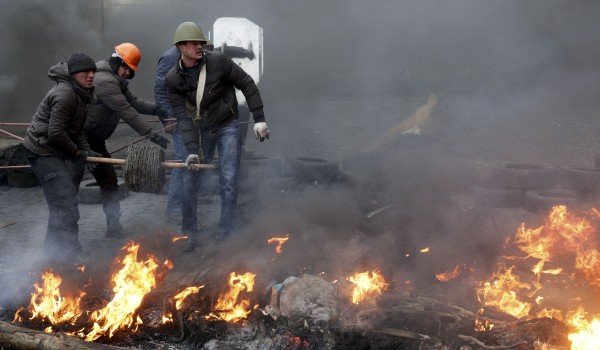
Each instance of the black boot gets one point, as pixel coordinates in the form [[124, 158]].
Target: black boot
[[191, 242], [114, 228]]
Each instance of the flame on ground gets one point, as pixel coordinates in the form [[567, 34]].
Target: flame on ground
[[131, 284], [228, 307], [560, 267], [367, 284], [48, 303], [279, 241]]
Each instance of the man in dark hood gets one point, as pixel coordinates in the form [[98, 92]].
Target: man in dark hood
[[114, 101], [57, 149]]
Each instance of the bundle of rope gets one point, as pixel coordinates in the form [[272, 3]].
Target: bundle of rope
[[143, 171]]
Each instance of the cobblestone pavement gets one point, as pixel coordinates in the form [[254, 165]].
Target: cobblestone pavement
[[24, 215]]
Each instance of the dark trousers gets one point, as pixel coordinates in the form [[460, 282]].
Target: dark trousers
[[60, 178], [106, 177]]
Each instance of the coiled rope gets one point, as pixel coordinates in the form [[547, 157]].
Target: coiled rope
[[143, 171]]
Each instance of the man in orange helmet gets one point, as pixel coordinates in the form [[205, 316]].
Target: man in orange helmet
[[114, 102]]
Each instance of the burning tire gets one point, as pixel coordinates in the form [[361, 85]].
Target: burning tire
[[89, 191], [586, 181], [543, 201], [522, 176], [311, 169], [494, 198]]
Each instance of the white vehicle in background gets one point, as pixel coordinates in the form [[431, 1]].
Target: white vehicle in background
[[241, 32]]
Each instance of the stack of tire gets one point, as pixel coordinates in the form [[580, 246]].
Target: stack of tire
[[16, 177], [278, 174], [535, 187]]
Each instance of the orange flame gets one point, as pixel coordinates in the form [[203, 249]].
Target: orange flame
[[450, 275], [131, 284], [177, 238], [280, 241], [228, 308], [180, 297], [566, 239], [366, 284], [47, 303]]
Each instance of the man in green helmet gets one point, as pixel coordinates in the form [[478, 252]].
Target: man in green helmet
[[201, 89]]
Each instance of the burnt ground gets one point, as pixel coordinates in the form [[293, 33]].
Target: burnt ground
[[423, 176]]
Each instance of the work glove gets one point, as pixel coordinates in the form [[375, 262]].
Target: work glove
[[192, 159], [261, 131], [159, 140], [90, 166]]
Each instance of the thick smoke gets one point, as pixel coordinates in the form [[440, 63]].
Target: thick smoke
[[514, 80]]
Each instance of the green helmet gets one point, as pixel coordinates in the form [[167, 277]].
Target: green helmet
[[188, 31]]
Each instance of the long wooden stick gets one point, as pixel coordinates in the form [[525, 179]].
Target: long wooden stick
[[165, 164]]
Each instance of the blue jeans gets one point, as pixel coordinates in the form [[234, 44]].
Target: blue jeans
[[174, 197], [226, 140]]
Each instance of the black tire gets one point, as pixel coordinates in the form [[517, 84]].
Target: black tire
[[89, 191], [543, 201], [523, 176], [584, 180], [258, 167], [311, 169], [494, 198], [22, 178]]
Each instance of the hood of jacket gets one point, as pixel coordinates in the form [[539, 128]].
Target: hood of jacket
[[105, 68], [59, 73]]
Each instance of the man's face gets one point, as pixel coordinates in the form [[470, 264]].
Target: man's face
[[192, 49], [123, 71], [85, 78]]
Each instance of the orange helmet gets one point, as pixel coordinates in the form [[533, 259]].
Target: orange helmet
[[130, 54]]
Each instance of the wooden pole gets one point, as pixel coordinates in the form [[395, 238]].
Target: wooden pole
[[14, 337], [117, 161]]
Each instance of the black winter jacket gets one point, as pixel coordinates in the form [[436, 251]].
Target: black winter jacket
[[219, 104], [56, 128], [114, 101]]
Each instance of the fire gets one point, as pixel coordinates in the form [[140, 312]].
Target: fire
[[560, 252], [131, 284], [366, 284], [588, 333], [180, 297], [178, 238], [448, 276], [47, 302], [279, 241], [228, 308]]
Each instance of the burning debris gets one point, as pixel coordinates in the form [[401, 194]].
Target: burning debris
[[542, 296]]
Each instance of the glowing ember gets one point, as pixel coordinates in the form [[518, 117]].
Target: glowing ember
[[47, 302], [279, 241], [180, 297], [448, 276], [131, 284], [178, 238], [228, 308], [425, 250], [367, 284]]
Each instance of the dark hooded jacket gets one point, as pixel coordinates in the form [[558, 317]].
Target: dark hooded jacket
[[113, 102], [56, 128], [219, 104]]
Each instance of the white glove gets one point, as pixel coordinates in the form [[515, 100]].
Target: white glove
[[192, 159], [261, 131]]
